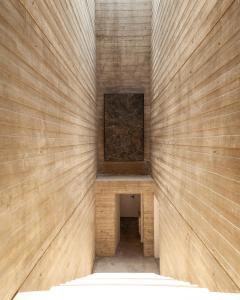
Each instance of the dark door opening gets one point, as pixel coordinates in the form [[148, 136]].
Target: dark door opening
[[130, 226]]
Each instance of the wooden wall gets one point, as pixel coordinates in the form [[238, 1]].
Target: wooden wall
[[47, 142], [123, 29], [195, 122]]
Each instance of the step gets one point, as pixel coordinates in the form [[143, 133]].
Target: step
[[126, 281], [110, 293], [127, 292], [129, 276], [35, 295], [126, 285], [126, 275]]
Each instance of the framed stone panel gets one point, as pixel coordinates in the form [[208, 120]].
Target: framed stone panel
[[124, 127]]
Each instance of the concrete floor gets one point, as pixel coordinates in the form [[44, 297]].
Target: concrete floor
[[129, 256]]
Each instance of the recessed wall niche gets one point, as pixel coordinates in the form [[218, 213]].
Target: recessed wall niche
[[124, 127]]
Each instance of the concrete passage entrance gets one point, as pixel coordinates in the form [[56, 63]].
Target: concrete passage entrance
[[129, 254], [123, 223], [108, 200]]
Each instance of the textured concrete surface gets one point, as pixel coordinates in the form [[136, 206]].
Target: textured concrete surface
[[129, 257]]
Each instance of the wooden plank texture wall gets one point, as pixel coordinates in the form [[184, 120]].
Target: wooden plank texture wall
[[123, 29], [195, 122], [47, 142]]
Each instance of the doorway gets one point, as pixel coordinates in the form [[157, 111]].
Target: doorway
[[130, 225], [108, 191]]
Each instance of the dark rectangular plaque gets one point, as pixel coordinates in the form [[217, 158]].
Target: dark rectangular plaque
[[124, 127]]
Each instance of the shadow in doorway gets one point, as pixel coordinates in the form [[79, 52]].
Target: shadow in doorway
[[130, 241]]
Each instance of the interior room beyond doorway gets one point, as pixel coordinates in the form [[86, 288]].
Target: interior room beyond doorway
[[130, 225]]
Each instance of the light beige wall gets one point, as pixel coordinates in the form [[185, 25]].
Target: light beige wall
[[129, 206], [47, 142], [123, 30], [156, 217], [195, 139], [117, 218]]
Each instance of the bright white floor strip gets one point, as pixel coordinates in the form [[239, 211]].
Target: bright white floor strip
[[116, 286]]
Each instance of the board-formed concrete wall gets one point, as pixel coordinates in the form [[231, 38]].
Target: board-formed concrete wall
[[195, 127], [48, 143]]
